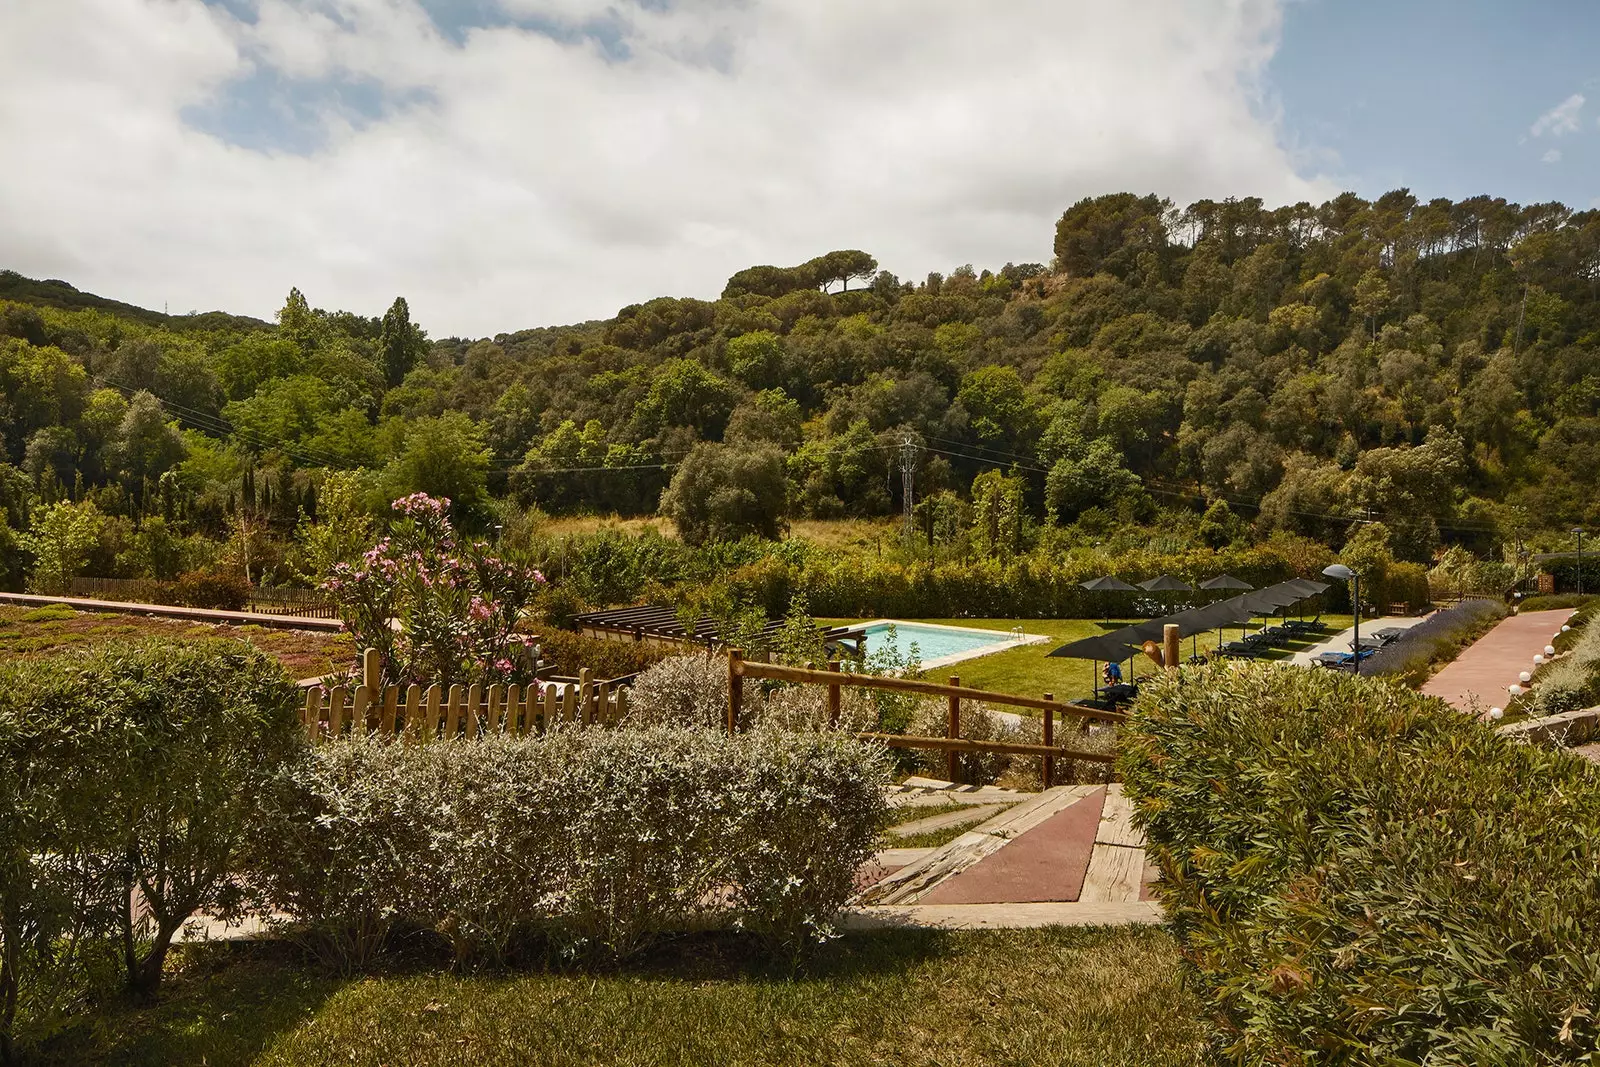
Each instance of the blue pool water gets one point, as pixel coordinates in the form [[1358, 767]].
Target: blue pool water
[[933, 642]]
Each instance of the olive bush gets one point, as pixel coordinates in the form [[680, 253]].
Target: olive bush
[[595, 842]]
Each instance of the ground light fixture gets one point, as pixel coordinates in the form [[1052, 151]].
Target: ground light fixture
[[1524, 677], [1339, 572], [1538, 661], [1496, 714], [1514, 690], [1549, 650]]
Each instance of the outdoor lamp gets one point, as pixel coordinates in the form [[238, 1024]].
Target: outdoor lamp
[[1514, 690], [1496, 714], [1524, 677], [1339, 572], [1538, 660], [1549, 650], [1565, 628]]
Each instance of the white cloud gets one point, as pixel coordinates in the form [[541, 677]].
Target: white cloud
[[549, 182], [1561, 119], [1552, 156]]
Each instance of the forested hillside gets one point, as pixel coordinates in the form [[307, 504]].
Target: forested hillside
[[1429, 365]]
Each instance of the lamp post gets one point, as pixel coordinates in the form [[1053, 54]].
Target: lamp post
[[1578, 532], [1340, 572]]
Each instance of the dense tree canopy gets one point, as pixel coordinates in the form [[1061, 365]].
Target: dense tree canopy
[[1430, 365]]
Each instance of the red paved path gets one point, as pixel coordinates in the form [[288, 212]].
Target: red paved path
[[1046, 863], [1494, 660]]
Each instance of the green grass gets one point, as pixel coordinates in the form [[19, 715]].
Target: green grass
[[913, 813], [1078, 996], [935, 838], [1029, 669]]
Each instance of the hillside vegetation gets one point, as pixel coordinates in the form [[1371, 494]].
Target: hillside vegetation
[[1428, 365]]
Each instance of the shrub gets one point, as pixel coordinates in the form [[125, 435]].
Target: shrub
[[1358, 873], [687, 690], [1435, 640], [1573, 681], [568, 653], [218, 588], [1553, 601], [978, 723], [128, 773], [595, 841], [457, 604], [345, 833]]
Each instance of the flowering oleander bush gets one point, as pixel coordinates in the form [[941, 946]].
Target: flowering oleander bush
[[594, 842], [437, 608]]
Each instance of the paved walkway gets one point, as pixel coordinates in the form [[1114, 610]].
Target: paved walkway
[[1478, 678], [1066, 856]]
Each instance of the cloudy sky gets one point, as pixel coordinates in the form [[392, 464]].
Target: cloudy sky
[[512, 163]]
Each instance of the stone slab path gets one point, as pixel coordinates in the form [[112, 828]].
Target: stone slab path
[[1068, 855], [1479, 676]]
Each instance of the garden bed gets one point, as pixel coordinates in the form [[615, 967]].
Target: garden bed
[[27, 632]]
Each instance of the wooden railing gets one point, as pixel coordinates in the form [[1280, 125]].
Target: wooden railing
[[952, 743], [413, 713]]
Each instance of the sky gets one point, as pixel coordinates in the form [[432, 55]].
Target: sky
[[505, 164]]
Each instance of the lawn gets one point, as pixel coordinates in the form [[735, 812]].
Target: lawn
[[1030, 670], [28, 631], [1069, 996]]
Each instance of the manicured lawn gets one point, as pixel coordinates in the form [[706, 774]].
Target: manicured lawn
[[1077, 996], [38, 631], [1030, 670]]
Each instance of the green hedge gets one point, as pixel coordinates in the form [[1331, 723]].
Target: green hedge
[[593, 842], [1359, 874], [1034, 586], [133, 768]]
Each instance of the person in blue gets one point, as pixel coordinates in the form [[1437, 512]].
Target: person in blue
[[1113, 674]]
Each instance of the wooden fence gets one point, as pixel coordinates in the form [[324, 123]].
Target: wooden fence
[[416, 714], [952, 743]]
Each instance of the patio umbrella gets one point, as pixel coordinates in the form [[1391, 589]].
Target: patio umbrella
[[1166, 583], [1225, 581], [1112, 647], [1106, 584]]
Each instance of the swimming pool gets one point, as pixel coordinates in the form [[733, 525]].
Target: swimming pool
[[939, 645]]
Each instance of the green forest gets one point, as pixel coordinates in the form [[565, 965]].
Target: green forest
[[1416, 379]]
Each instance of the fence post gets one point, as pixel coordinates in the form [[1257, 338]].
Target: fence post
[[833, 696], [585, 698], [371, 669], [735, 688], [953, 730], [1049, 739], [1172, 645]]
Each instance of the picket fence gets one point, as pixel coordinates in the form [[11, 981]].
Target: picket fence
[[413, 713]]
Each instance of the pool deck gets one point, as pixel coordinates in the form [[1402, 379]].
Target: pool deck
[[1006, 639]]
